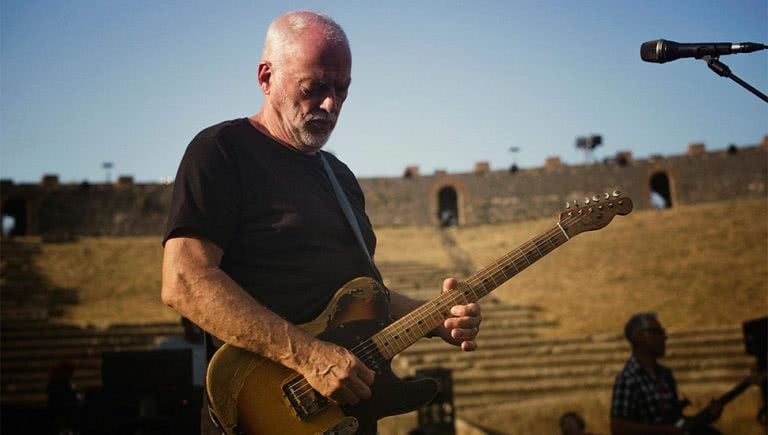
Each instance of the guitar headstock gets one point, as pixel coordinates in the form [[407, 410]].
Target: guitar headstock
[[593, 213]]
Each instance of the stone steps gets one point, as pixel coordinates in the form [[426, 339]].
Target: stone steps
[[464, 361], [510, 366], [33, 330], [509, 344], [30, 348], [470, 396], [610, 368], [52, 345]]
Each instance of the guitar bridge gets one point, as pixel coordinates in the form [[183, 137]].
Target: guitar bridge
[[347, 426], [304, 400]]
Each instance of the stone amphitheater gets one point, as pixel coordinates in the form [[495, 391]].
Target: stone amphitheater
[[517, 363]]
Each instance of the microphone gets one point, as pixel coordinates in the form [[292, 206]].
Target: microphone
[[660, 50]]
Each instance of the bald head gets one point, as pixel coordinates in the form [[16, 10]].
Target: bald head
[[288, 34], [304, 73]]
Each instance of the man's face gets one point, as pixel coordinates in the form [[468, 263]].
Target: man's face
[[652, 338], [309, 90]]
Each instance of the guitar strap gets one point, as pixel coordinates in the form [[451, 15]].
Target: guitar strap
[[349, 214]]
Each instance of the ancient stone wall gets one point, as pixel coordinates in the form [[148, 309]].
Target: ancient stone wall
[[481, 197], [503, 196]]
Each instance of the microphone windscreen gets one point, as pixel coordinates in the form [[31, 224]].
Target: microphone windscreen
[[649, 51]]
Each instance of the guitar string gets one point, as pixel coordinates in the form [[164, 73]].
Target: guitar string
[[495, 268], [368, 348]]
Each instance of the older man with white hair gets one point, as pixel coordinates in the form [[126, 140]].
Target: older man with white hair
[[256, 240]]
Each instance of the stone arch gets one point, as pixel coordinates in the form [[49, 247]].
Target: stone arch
[[660, 187], [448, 207], [447, 204], [15, 217]]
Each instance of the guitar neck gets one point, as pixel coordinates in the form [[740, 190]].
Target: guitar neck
[[734, 392], [407, 330], [703, 417]]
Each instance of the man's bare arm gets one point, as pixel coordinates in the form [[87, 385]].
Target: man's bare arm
[[195, 286]]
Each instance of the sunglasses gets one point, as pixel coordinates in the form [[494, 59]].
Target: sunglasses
[[656, 331]]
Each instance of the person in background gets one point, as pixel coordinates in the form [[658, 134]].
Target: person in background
[[645, 400]]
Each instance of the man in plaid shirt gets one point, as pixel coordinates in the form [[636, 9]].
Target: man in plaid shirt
[[645, 392]]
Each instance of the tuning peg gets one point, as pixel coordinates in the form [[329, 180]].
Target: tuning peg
[[586, 200], [575, 202], [606, 195], [596, 198], [616, 193], [567, 205]]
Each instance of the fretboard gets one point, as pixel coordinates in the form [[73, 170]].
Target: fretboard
[[410, 328]]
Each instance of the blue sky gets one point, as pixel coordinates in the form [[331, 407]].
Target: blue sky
[[438, 84]]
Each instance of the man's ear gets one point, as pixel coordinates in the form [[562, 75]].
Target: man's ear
[[264, 76]]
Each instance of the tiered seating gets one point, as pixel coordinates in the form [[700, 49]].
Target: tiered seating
[[32, 342], [514, 365], [418, 280], [30, 350]]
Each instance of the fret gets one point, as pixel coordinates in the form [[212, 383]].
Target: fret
[[552, 245], [536, 245], [498, 277], [404, 332], [531, 255], [525, 257], [521, 263]]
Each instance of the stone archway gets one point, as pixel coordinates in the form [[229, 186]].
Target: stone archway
[[14, 217], [661, 191], [448, 207]]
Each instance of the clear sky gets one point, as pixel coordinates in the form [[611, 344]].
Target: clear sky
[[438, 84]]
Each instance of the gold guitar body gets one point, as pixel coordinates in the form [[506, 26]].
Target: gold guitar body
[[252, 395]]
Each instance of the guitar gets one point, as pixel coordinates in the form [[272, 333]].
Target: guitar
[[698, 424], [250, 394]]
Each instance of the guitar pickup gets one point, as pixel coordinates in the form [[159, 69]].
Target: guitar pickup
[[304, 400]]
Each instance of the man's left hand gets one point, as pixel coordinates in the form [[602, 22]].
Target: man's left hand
[[462, 327]]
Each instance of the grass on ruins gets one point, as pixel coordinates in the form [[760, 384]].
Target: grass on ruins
[[696, 266]]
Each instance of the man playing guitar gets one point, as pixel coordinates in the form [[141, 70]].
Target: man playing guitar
[[256, 241], [645, 399]]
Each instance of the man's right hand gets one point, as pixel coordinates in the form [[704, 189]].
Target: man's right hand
[[337, 374]]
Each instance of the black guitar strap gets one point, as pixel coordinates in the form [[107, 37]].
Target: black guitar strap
[[349, 214]]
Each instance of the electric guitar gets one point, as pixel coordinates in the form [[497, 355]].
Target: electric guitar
[[249, 394], [699, 424]]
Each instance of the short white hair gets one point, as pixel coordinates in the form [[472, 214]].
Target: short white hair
[[284, 31]]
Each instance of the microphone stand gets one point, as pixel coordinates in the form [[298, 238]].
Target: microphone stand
[[721, 69]]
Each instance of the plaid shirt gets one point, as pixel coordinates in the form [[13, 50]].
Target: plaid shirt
[[639, 397]]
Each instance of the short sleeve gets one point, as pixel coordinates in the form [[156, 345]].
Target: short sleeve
[[205, 200]]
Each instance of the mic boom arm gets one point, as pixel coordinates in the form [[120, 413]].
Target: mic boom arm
[[661, 51]]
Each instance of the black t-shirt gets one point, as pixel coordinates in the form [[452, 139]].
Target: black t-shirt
[[273, 212]]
